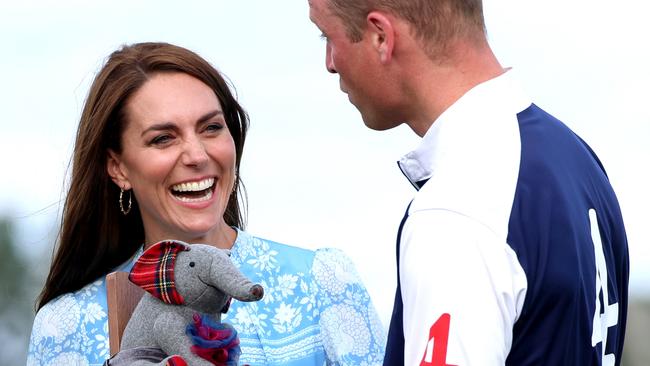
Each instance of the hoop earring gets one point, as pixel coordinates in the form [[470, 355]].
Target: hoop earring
[[125, 212]]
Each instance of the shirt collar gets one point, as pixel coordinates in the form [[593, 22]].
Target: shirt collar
[[241, 244], [458, 120]]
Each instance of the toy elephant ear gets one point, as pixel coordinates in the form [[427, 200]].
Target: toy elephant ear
[[154, 271]]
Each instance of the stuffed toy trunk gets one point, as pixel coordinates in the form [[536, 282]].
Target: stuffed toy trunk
[[187, 289]]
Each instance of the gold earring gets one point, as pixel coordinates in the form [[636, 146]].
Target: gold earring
[[125, 212]]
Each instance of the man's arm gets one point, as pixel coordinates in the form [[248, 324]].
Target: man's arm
[[462, 289]]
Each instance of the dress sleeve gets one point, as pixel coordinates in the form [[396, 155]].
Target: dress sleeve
[[462, 291], [351, 331], [71, 330]]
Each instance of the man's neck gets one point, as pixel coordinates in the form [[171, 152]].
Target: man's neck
[[435, 86]]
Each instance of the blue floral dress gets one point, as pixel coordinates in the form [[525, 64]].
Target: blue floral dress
[[315, 311]]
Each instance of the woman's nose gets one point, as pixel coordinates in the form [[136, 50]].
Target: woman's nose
[[194, 153]]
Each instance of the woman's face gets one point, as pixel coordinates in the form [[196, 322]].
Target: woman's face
[[178, 157]]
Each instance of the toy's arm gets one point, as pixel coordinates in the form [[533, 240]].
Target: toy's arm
[[169, 330], [144, 356]]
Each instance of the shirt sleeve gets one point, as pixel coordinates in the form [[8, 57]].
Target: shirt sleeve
[[350, 327], [71, 330], [462, 291]]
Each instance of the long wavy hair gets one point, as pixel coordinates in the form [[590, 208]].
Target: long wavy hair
[[94, 236]]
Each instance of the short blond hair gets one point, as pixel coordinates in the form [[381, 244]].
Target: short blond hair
[[435, 22]]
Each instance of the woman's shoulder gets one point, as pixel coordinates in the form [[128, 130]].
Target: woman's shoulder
[[71, 325], [322, 261], [68, 307], [247, 240], [335, 272], [252, 249]]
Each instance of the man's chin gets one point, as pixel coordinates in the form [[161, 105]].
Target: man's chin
[[377, 123], [372, 119]]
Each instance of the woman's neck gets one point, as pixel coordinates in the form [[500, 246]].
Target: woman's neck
[[222, 237]]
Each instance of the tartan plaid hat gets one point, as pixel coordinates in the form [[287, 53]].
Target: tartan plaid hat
[[154, 271]]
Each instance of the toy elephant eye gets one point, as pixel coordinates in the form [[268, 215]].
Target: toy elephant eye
[[191, 264]]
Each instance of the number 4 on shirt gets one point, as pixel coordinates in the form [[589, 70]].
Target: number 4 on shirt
[[436, 351], [609, 316]]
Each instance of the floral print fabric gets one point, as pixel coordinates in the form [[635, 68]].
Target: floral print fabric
[[315, 311], [72, 329]]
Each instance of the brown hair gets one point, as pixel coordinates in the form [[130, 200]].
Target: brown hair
[[95, 237], [435, 22]]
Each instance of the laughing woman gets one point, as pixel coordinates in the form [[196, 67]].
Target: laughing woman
[[156, 157]]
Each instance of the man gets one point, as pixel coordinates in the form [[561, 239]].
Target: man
[[513, 250]]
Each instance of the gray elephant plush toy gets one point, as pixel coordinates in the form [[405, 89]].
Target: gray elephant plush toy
[[187, 289]]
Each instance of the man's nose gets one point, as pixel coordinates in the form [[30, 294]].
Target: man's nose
[[329, 62]]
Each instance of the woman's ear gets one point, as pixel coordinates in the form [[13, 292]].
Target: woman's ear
[[116, 171]]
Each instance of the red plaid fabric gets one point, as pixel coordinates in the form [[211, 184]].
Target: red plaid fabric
[[176, 361], [154, 271]]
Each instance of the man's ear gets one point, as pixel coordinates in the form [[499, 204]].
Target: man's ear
[[115, 170], [382, 33]]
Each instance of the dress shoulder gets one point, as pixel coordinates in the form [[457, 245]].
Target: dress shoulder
[[72, 329], [351, 330], [334, 271], [314, 303], [267, 255]]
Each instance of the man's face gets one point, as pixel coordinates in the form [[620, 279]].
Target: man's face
[[356, 63]]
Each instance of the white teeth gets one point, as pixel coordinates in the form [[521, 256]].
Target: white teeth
[[193, 186], [206, 197]]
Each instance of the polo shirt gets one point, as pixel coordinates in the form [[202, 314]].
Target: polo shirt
[[513, 251]]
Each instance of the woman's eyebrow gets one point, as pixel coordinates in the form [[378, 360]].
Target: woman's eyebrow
[[209, 115], [163, 126]]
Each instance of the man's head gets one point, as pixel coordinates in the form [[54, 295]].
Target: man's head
[[379, 47], [434, 23], [360, 65]]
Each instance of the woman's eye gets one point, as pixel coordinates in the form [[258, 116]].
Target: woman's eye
[[213, 127], [160, 140]]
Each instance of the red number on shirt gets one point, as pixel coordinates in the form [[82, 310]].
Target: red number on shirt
[[436, 352]]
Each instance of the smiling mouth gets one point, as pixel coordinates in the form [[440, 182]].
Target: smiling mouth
[[194, 191]]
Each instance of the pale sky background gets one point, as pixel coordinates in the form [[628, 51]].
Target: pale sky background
[[316, 176]]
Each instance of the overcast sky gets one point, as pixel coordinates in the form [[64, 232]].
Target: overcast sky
[[315, 175]]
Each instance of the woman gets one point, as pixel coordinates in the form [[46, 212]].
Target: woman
[[156, 157]]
